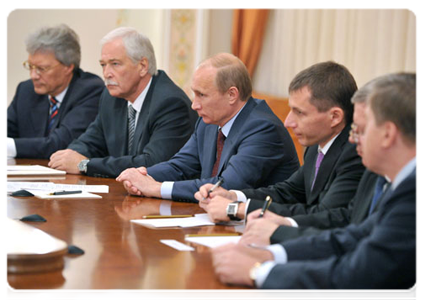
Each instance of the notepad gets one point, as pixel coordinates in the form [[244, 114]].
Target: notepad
[[32, 170]]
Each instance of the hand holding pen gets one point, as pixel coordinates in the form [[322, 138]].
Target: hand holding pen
[[218, 183], [266, 205]]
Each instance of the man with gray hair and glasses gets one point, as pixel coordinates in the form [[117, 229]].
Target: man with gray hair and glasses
[[143, 119], [59, 101]]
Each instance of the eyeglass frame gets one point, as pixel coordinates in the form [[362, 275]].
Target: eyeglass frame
[[39, 70], [354, 134]]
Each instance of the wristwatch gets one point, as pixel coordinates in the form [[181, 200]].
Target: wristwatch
[[254, 271], [232, 210], [82, 166]]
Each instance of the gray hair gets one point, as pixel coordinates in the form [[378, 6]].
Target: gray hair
[[363, 93], [137, 46], [60, 40]]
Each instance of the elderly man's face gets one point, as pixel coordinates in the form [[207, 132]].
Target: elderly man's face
[[49, 76], [121, 75]]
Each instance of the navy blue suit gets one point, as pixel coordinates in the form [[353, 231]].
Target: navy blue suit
[[379, 253], [257, 152], [165, 123], [28, 115]]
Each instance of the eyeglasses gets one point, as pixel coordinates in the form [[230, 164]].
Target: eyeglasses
[[38, 70], [354, 134]]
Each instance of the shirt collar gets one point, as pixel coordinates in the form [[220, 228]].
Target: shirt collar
[[227, 127], [404, 173], [137, 105], [61, 96], [326, 148]]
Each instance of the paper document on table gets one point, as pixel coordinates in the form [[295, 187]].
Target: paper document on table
[[52, 187], [83, 195], [124, 295], [32, 170], [197, 220], [213, 241], [177, 245]]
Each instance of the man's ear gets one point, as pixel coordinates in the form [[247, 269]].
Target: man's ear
[[336, 115], [390, 134], [233, 94], [143, 66]]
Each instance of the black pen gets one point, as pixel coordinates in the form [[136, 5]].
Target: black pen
[[65, 193], [265, 206], [219, 183]]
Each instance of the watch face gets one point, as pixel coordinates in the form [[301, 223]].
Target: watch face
[[231, 209]]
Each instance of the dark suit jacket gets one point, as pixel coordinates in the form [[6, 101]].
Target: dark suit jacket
[[356, 212], [335, 185], [28, 115], [165, 123], [379, 253], [257, 152]]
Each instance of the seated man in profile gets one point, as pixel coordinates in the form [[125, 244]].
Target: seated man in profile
[[59, 101], [379, 253], [144, 117], [238, 139]]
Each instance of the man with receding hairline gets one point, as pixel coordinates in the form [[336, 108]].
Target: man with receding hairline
[[237, 138]]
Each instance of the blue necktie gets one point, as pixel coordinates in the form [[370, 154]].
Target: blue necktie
[[381, 181]]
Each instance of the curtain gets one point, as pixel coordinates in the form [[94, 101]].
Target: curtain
[[247, 35], [369, 42]]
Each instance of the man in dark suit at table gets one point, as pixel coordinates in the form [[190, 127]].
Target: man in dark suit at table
[[238, 138], [379, 253], [320, 116], [144, 118], [273, 228], [59, 101]]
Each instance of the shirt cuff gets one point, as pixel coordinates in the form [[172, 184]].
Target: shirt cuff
[[11, 148], [279, 253], [240, 196], [166, 189], [263, 272], [292, 221]]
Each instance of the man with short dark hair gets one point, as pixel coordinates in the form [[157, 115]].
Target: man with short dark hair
[[144, 117], [60, 100]]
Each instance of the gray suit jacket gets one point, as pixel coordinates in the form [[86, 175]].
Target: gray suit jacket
[[165, 123], [335, 185]]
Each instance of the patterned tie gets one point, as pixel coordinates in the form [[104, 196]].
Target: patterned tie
[[131, 127], [380, 183], [316, 170], [219, 147], [54, 110]]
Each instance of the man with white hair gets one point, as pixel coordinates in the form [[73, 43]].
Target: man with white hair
[[144, 118]]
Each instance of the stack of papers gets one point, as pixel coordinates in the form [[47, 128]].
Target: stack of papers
[[213, 241], [32, 170]]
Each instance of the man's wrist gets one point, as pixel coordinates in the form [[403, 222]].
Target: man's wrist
[[83, 166]]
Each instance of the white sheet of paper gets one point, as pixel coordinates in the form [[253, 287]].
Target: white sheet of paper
[[197, 220], [32, 170], [213, 241], [83, 195], [50, 186], [177, 245]]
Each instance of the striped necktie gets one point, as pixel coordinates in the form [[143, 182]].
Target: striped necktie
[[131, 127], [54, 110]]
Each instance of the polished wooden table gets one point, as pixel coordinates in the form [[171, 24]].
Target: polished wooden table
[[118, 253]]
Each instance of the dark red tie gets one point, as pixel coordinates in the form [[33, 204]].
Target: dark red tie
[[54, 110], [219, 147]]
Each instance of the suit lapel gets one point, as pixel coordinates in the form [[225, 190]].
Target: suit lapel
[[234, 134], [121, 124], [210, 134], [327, 165], [40, 115]]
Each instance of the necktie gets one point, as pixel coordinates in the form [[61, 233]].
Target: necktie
[[219, 147], [380, 183], [54, 110], [319, 159], [131, 127]]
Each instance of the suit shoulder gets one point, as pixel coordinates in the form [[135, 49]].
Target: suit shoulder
[[88, 79]]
